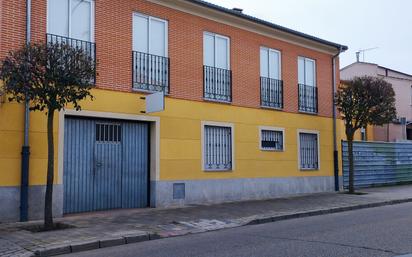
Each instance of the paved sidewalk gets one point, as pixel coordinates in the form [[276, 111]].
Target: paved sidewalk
[[109, 228]]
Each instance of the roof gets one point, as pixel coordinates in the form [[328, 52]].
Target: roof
[[267, 23], [381, 67], [403, 73]]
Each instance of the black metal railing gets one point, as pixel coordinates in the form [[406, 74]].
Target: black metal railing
[[308, 98], [88, 47], [217, 84], [151, 72], [271, 92]]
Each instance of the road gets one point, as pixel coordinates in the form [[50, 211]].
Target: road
[[382, 231]]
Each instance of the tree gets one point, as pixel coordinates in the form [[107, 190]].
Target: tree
[[364, 101], [50, 76]]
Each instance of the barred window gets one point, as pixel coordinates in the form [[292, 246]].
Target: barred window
[[308, 151], [217, 148], [271, 140], [108, 133]]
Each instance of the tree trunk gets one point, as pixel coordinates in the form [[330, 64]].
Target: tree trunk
[[48, 203], [351, 165]]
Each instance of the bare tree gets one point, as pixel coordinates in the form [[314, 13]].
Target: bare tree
[[364, 101], [50, 76]]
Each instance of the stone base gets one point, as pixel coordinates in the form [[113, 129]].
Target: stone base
[[10, 202], [177, 193], [228, 190]]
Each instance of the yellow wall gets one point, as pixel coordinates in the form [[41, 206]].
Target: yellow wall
[[357, 137], [180, 138], [11, 140]]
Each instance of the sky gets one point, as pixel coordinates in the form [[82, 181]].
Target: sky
[[358, 24]]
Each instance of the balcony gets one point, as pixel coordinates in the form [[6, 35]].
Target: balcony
[[88, 47], [308, 98], [271, 93], [151, 72], [217, 84]]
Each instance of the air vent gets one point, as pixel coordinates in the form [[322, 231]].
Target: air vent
[[179, 191]]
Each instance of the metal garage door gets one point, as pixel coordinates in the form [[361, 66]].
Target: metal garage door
[[105, 164]]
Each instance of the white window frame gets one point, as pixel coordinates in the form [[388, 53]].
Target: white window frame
[[298, 144], [280, 61], [304, 71], [217, 124], [148, 31], [363, 134], [214, 35], [92, 19], [276, 129], [410, 93]]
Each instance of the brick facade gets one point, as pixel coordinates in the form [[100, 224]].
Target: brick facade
[[113, 37]]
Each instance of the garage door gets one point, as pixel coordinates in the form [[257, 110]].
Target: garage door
[[105, 164]]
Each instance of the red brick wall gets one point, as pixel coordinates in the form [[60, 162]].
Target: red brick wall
[[12, 25], [113, 37]]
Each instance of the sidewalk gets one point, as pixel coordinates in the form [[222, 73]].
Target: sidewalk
[[109, 228]]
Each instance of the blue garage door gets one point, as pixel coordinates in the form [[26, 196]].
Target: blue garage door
[[105, 164]]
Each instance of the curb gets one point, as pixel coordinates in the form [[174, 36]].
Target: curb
[[141, 237], [96, 244], [326, 211]]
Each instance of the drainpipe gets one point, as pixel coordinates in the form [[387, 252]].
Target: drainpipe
[[25, 152], [335, 144]]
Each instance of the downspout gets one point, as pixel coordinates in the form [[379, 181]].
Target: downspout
[[335, 144], [25, 152]]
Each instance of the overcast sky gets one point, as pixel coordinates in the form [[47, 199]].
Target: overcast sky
[[359, 24]]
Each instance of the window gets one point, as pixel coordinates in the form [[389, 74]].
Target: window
[[307, 90], [217, 147], [411, 95], [108, 133], [271, 87], [306, 71], [150, 61], [149, 35], [71, 18], [271, 139], [308, 145], [217, 76], [270, 63], [216, 51], [363, 134]]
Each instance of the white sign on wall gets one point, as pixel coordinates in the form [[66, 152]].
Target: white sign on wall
[[155, 102]]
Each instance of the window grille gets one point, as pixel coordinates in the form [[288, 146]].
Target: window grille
[[108, 133], [309, 158], [218, 148], [271, 140]]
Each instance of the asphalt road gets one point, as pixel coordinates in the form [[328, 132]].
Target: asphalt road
[[382, 231]]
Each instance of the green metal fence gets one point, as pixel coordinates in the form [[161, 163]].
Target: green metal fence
[[378, 163]]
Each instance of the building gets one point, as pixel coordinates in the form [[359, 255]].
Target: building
[[401, 128], [248, 108]]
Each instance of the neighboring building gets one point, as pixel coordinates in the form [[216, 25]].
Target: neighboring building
[[401, 128], [248, 108]]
